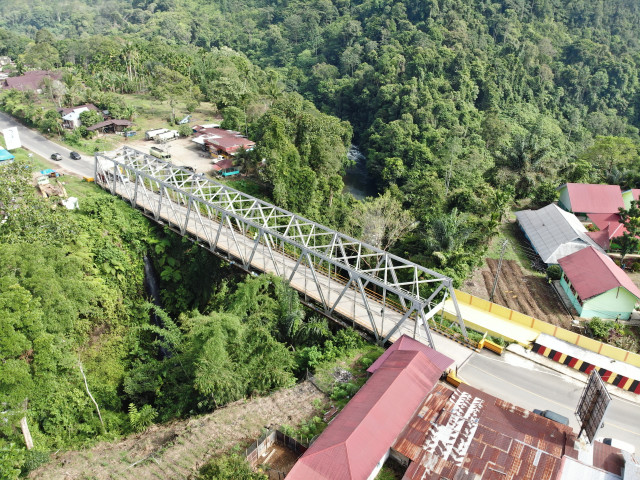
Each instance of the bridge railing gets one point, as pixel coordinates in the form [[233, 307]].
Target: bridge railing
[[189, 202]]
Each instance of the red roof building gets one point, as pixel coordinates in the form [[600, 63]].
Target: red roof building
[[31, 80], [222, 164], [609, 228], [584, 198], [405, 342], [448, 434], [596, 286], [592, 273], [357, 442], [601, 238], [221, 142]]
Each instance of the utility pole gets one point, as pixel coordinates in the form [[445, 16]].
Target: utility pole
[[495, 280]]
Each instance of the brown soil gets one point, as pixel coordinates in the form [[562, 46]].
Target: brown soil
[[527, 294], [178, 449], [278, 461]]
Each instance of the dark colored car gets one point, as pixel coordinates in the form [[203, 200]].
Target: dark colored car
[[556, 417], [56, 156], [75, 156]]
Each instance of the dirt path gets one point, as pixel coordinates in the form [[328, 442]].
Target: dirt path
[[528, 294], [178, 449]]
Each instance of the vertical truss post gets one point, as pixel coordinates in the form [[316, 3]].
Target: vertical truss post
[[457, 309], [367, 308], [134, 200], [113, 179], [315, 279], [183, 229], [427, 330], [156, 214]]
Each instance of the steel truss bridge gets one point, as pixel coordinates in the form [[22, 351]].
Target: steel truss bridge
[[339, 276]]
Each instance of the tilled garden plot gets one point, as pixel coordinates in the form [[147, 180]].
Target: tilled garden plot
[[527, 294]]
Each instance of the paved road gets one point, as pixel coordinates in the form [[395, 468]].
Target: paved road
[[36, 143], [530, 385]]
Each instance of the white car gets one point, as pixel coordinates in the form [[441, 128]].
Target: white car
[[614, 442]]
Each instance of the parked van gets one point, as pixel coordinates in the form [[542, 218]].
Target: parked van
[[159, 153]]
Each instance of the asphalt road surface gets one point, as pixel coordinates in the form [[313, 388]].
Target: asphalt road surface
[[530, 385], [39, 145]]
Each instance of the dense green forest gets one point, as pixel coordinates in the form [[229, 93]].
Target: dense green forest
[[462, 108], [73, 306]]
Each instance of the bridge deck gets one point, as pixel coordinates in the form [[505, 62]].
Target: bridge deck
[[338, 275], [236, 245]]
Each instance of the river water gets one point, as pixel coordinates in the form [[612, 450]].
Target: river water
[[357, 180]]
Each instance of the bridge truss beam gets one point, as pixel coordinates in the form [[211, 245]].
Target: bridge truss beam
[[342, 275]]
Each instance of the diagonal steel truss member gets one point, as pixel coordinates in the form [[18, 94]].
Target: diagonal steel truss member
[[337, 274]]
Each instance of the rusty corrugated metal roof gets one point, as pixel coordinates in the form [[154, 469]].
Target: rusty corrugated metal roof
[[468, 434]]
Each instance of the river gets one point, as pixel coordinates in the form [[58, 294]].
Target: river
[[357, 180]]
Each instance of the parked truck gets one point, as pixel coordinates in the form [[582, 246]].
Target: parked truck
[[166, 136], [151, 134]]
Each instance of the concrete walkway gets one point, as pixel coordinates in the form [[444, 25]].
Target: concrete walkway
[[484, 321]]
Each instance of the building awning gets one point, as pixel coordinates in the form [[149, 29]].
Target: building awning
[[6, 155]]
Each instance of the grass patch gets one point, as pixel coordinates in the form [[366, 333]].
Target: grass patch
[[246, 185], [77, 187], [90, 146], [343, 377], [441, 323], [152, 113], [518, 248], [340, 379]]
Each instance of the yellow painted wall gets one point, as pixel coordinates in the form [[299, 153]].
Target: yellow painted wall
[[544, 327]]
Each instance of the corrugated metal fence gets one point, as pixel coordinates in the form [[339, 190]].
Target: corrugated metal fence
[[261, 445]]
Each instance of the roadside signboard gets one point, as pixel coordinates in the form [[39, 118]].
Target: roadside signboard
[[593, 406], [11, 138]]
